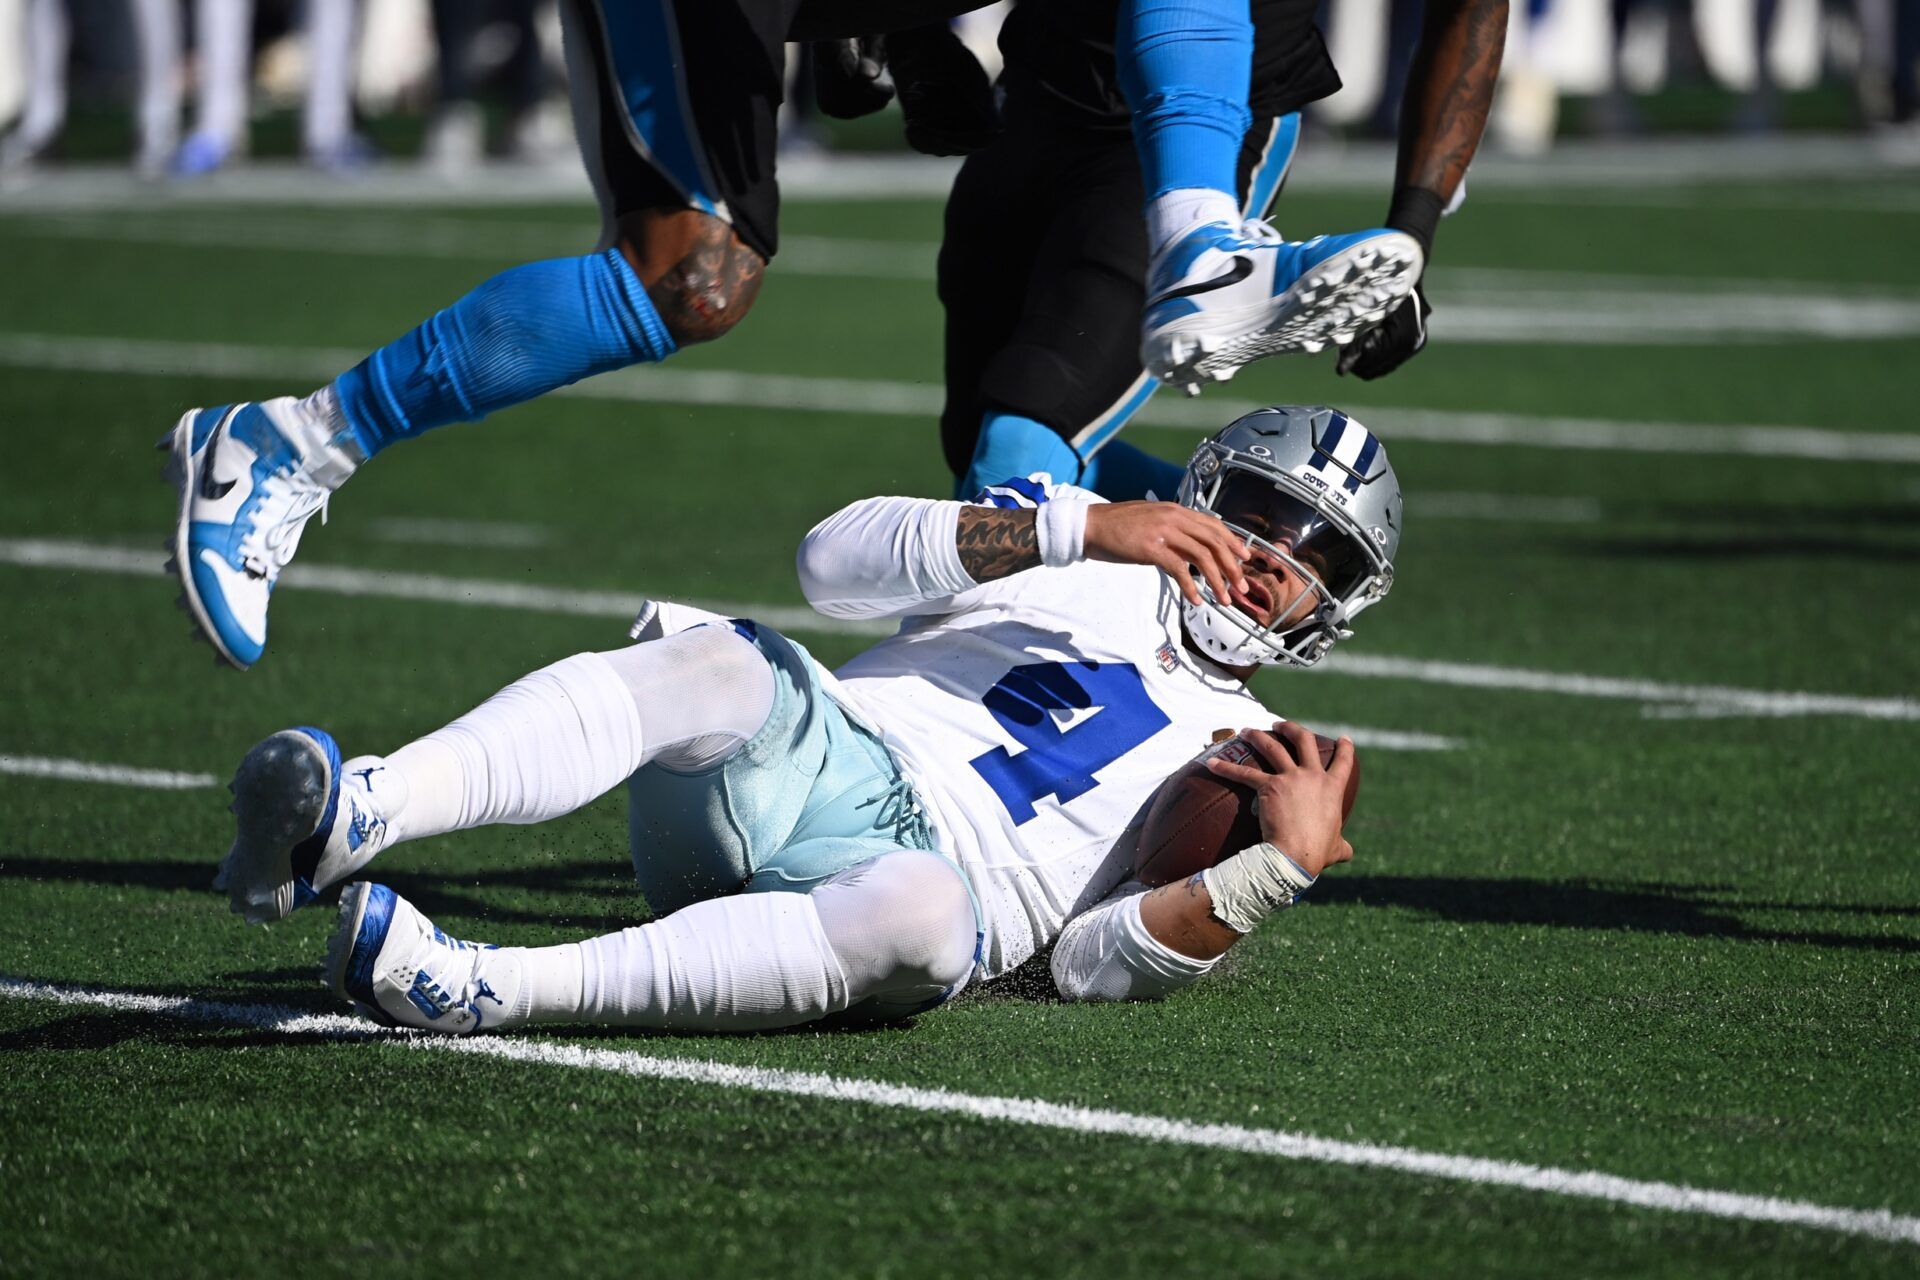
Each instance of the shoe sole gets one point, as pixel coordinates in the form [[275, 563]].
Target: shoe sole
[[1332, 304], [183, 470], [345, 955], [280, 795]]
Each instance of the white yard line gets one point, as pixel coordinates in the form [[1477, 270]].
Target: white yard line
[[1518, 507], [1661, 699], [731, 389], [120, 775], [1875, 1224], [435, 531], [1578, 310]]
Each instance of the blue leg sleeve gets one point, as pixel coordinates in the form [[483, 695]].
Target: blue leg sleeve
[[519, 335], [1121, 472], [1011, 445], [1185, 66]]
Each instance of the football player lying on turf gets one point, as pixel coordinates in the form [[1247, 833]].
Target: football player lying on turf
[[944, 806]]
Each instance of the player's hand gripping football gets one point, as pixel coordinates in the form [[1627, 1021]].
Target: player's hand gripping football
[[1175, 538], [1300, 802]]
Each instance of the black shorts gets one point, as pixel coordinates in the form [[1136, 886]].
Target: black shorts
[[676, 102], [1043, 277]]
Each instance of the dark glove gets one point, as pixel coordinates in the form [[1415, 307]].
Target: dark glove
[[847, 77], [944, 92], [1391, 343]]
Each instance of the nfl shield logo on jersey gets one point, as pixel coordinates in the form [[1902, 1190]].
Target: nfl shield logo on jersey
[[1167, 658]]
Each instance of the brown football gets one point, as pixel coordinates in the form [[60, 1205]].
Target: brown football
[[1197, 818]]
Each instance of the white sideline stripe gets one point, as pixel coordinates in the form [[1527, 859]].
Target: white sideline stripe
[[87, 557], [123, 775], [1875, 1224], [733, 389]]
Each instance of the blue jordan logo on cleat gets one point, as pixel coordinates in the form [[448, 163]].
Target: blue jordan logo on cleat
[[366, 775]]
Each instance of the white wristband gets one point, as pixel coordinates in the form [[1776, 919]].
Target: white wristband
[[1060, 527], [1253, 884]]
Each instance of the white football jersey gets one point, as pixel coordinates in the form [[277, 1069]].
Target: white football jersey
[[1036, 716]]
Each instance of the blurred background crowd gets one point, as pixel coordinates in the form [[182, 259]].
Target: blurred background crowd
[[185, 88]]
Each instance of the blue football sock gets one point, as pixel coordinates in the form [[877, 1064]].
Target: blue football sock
[[1185, 67], [1120, 472], [519, 335], [1010, 446]]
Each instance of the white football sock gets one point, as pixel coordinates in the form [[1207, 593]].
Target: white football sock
[[327, 122], [893, 933], [554, 741], [1172, 214], [158, 24], [47, 38], [223, 30]]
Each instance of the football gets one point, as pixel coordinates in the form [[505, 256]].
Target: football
[[1197, 818]]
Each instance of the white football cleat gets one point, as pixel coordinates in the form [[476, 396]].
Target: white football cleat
[[1220, 296], [305, 821], [391, 964]]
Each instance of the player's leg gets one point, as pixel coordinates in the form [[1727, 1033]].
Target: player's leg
[[48, 34], [544, 746], [157, 24], [1068, 377], [888, 937], [1185, 68], [672, 271], [223, 44], [326, 125], [1000, 212]]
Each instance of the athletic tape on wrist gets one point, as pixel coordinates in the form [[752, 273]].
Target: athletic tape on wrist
[[1060, 528], [1253, 884]]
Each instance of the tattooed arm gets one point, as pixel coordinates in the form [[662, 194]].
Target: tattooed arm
[[995, 541], [1449, 90]]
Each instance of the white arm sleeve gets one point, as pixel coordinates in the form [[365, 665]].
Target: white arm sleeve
[[1106, 953], [884, 556]]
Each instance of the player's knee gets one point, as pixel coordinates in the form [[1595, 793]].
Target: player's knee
[[708, 286], [932, 925]]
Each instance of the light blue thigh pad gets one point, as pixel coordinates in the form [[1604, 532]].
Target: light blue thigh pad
[[808, 796]]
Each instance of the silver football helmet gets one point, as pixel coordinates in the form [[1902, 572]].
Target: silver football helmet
[[1313, 488]]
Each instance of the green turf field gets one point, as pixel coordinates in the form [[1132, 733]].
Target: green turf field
[[1655, 915]]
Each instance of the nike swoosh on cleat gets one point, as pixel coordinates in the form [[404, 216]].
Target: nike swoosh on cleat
[[1242, 268], [210, 489]]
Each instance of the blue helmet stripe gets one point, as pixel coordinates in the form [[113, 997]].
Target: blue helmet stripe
[[1364, 462], [1336, 427]]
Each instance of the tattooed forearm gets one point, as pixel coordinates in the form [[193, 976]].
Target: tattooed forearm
[[1449, 89], [995, 542]]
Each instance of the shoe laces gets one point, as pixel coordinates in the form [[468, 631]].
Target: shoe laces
[[288, 499]]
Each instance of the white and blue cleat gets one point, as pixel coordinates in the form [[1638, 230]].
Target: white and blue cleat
[[1222, 296], [246, 493], [395, 967], [305, 821]]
